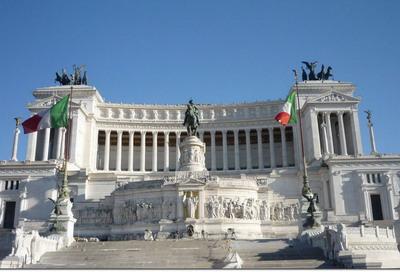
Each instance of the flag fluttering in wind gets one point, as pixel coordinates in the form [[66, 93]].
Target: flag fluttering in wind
[[54, 117], [288, 114]]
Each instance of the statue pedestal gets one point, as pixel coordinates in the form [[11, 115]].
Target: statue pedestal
[[63, 223], [192, 155], [307, 221]]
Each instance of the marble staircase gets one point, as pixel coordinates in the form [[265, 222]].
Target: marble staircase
[[191, 254]]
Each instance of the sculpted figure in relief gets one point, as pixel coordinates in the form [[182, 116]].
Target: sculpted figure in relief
[[341, 238], [191, 204]]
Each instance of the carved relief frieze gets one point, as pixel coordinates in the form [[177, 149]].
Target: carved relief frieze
[[250, 209]]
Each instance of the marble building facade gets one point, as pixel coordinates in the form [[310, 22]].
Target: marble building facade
[[126, 167]]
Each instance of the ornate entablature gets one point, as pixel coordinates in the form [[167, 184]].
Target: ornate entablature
[[175, 113], [27, 168]]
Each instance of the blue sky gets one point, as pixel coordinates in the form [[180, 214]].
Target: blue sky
[[213, 51]]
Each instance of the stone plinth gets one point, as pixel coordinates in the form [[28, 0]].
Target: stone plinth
[[63, 223], [192, 155]]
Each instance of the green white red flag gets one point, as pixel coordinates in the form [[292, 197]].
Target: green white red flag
[[288, 114], [54, 117]]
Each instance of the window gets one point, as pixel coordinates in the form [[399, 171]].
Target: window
[[11, 185], [374, 178]]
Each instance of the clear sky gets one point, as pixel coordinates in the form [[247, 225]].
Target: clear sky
[[211, 51]]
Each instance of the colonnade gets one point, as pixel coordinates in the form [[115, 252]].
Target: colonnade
[[337, 135], [46, 144], [139, 143]]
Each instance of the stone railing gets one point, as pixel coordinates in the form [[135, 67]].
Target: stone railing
[[357, 247], [29, 247]]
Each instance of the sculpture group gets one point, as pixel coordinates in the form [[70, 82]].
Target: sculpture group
[[312, 75], [78, 77]]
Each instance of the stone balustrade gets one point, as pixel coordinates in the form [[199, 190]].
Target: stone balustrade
[[357, 247], [29, 247]]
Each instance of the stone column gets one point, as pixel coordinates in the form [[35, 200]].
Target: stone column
[[325, 138], [284, 147], [355, 128], [15, 144], [119, 151], [224, 150], [107, 151], [213, 155], [31, 147], [260, 151], [45, 154], [62, 148], [236, 139], [372, 138], [130, 155], [271, 146], [57, 149], [342, 134], [248, 150], [178, 150], [143, 151], [154, 164], [296, 146], [329, 131], [166, 151], [314, 134]]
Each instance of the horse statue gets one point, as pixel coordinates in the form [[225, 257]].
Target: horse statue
[[311, 67], [63, 79], [191, 121]]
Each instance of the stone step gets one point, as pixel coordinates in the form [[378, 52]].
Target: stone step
[[137, 254], [191, 254]]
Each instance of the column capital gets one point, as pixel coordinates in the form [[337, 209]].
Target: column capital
[[212, 132], [119, 132], [143, 132], [224, 131], [259, 129], [340, 113], [282, 128], [154, 133], [247, 130], [131, 132], [271, 128], [178, 133], [107, 131], [166, 133]]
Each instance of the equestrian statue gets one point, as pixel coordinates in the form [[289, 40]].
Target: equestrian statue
[[191, 121]]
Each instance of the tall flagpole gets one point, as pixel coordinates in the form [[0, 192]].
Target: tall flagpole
[[64, 189], [306, 190], [305, 173]]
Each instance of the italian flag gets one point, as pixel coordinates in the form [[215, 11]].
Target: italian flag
[[288, 114], [54, 117]]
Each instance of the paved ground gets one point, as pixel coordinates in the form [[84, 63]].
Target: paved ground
[[183, 254]]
